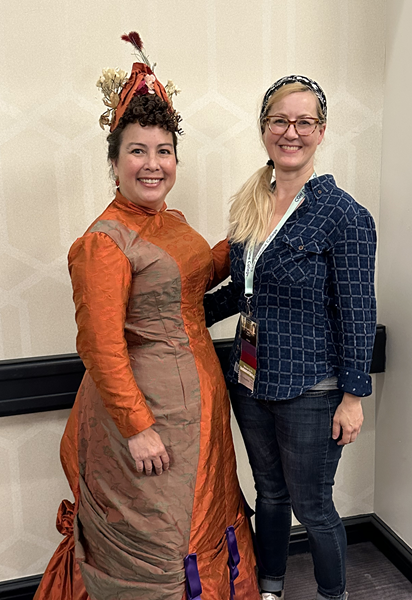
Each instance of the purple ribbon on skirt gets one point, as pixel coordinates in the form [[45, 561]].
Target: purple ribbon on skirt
[[193, 585], [234, 558]]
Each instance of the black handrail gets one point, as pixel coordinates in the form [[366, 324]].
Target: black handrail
[[44, 383]]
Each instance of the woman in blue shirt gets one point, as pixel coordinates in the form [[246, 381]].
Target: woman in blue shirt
[[302, 267]]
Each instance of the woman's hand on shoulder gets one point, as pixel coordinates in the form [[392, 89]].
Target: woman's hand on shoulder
[[347, 420], [148, 452]]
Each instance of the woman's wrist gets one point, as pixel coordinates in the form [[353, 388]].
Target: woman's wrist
[[350, 398]]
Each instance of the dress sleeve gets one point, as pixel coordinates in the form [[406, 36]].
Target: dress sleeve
[[221, 264], [353, 268], [221, 304], [101, 278]]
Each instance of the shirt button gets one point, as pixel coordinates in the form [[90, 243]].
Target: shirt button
[[319, 191], [301, 247]]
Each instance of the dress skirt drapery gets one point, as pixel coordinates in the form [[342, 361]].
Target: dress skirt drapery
[[139, 277]]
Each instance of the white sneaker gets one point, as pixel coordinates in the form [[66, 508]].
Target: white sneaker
[[270, 596]]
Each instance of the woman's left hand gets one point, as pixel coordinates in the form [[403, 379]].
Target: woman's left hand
[[348, 419]]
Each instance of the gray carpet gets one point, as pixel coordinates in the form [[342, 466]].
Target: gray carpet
[[370, 576]]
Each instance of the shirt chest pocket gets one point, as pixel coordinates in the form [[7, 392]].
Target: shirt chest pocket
[[299, 258]]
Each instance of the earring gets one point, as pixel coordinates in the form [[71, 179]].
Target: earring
[[117, 182]]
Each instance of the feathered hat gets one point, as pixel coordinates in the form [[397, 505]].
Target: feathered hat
[[118, 89]]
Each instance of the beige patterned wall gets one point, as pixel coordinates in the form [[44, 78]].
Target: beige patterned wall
[[54, 177], [393, 489]]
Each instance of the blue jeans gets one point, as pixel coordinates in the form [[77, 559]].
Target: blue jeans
[[294, 461]]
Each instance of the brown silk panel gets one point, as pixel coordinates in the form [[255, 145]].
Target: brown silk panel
[[135, 529]]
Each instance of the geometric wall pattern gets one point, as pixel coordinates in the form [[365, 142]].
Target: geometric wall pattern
[[54, 177], [32, 485]]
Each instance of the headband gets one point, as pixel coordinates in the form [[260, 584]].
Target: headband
[[309, 83], [118, 90]]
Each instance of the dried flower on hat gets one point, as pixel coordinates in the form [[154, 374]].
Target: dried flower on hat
[[171, 89], [111, 83]]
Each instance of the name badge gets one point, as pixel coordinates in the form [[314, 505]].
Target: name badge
[[248, 340]]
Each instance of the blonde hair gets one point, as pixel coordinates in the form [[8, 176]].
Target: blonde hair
[[252, 206]]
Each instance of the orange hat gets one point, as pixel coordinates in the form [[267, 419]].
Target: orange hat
[[118, 90]]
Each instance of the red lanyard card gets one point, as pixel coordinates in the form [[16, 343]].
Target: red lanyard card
[[248, 344]]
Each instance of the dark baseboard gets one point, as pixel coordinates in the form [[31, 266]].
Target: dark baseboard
[[39, 384], [361, 528], [358, 529], [392, 546], [19, 589], [364, 528]]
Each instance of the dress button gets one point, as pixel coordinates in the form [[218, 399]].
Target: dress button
[[301, 247]]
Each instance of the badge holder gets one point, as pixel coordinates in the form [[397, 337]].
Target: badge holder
[[248, 344]]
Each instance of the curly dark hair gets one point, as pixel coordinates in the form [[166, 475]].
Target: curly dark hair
[[148, 110]]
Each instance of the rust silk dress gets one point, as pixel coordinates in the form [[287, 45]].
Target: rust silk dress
[[138, 278]]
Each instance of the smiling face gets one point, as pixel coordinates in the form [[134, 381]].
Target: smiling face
[[146, 165], [291, 152]]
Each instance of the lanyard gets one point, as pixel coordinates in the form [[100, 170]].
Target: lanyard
[[250, 261]]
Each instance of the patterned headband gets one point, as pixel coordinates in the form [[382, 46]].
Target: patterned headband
[[309, 83]]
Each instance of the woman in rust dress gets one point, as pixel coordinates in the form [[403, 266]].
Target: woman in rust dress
[[147, 448]]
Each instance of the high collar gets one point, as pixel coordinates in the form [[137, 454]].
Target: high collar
[[142, 210]]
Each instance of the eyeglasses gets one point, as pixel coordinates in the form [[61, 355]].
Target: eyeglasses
[[279, 125]]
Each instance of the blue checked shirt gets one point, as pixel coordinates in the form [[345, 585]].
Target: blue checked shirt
[[313, 297]]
